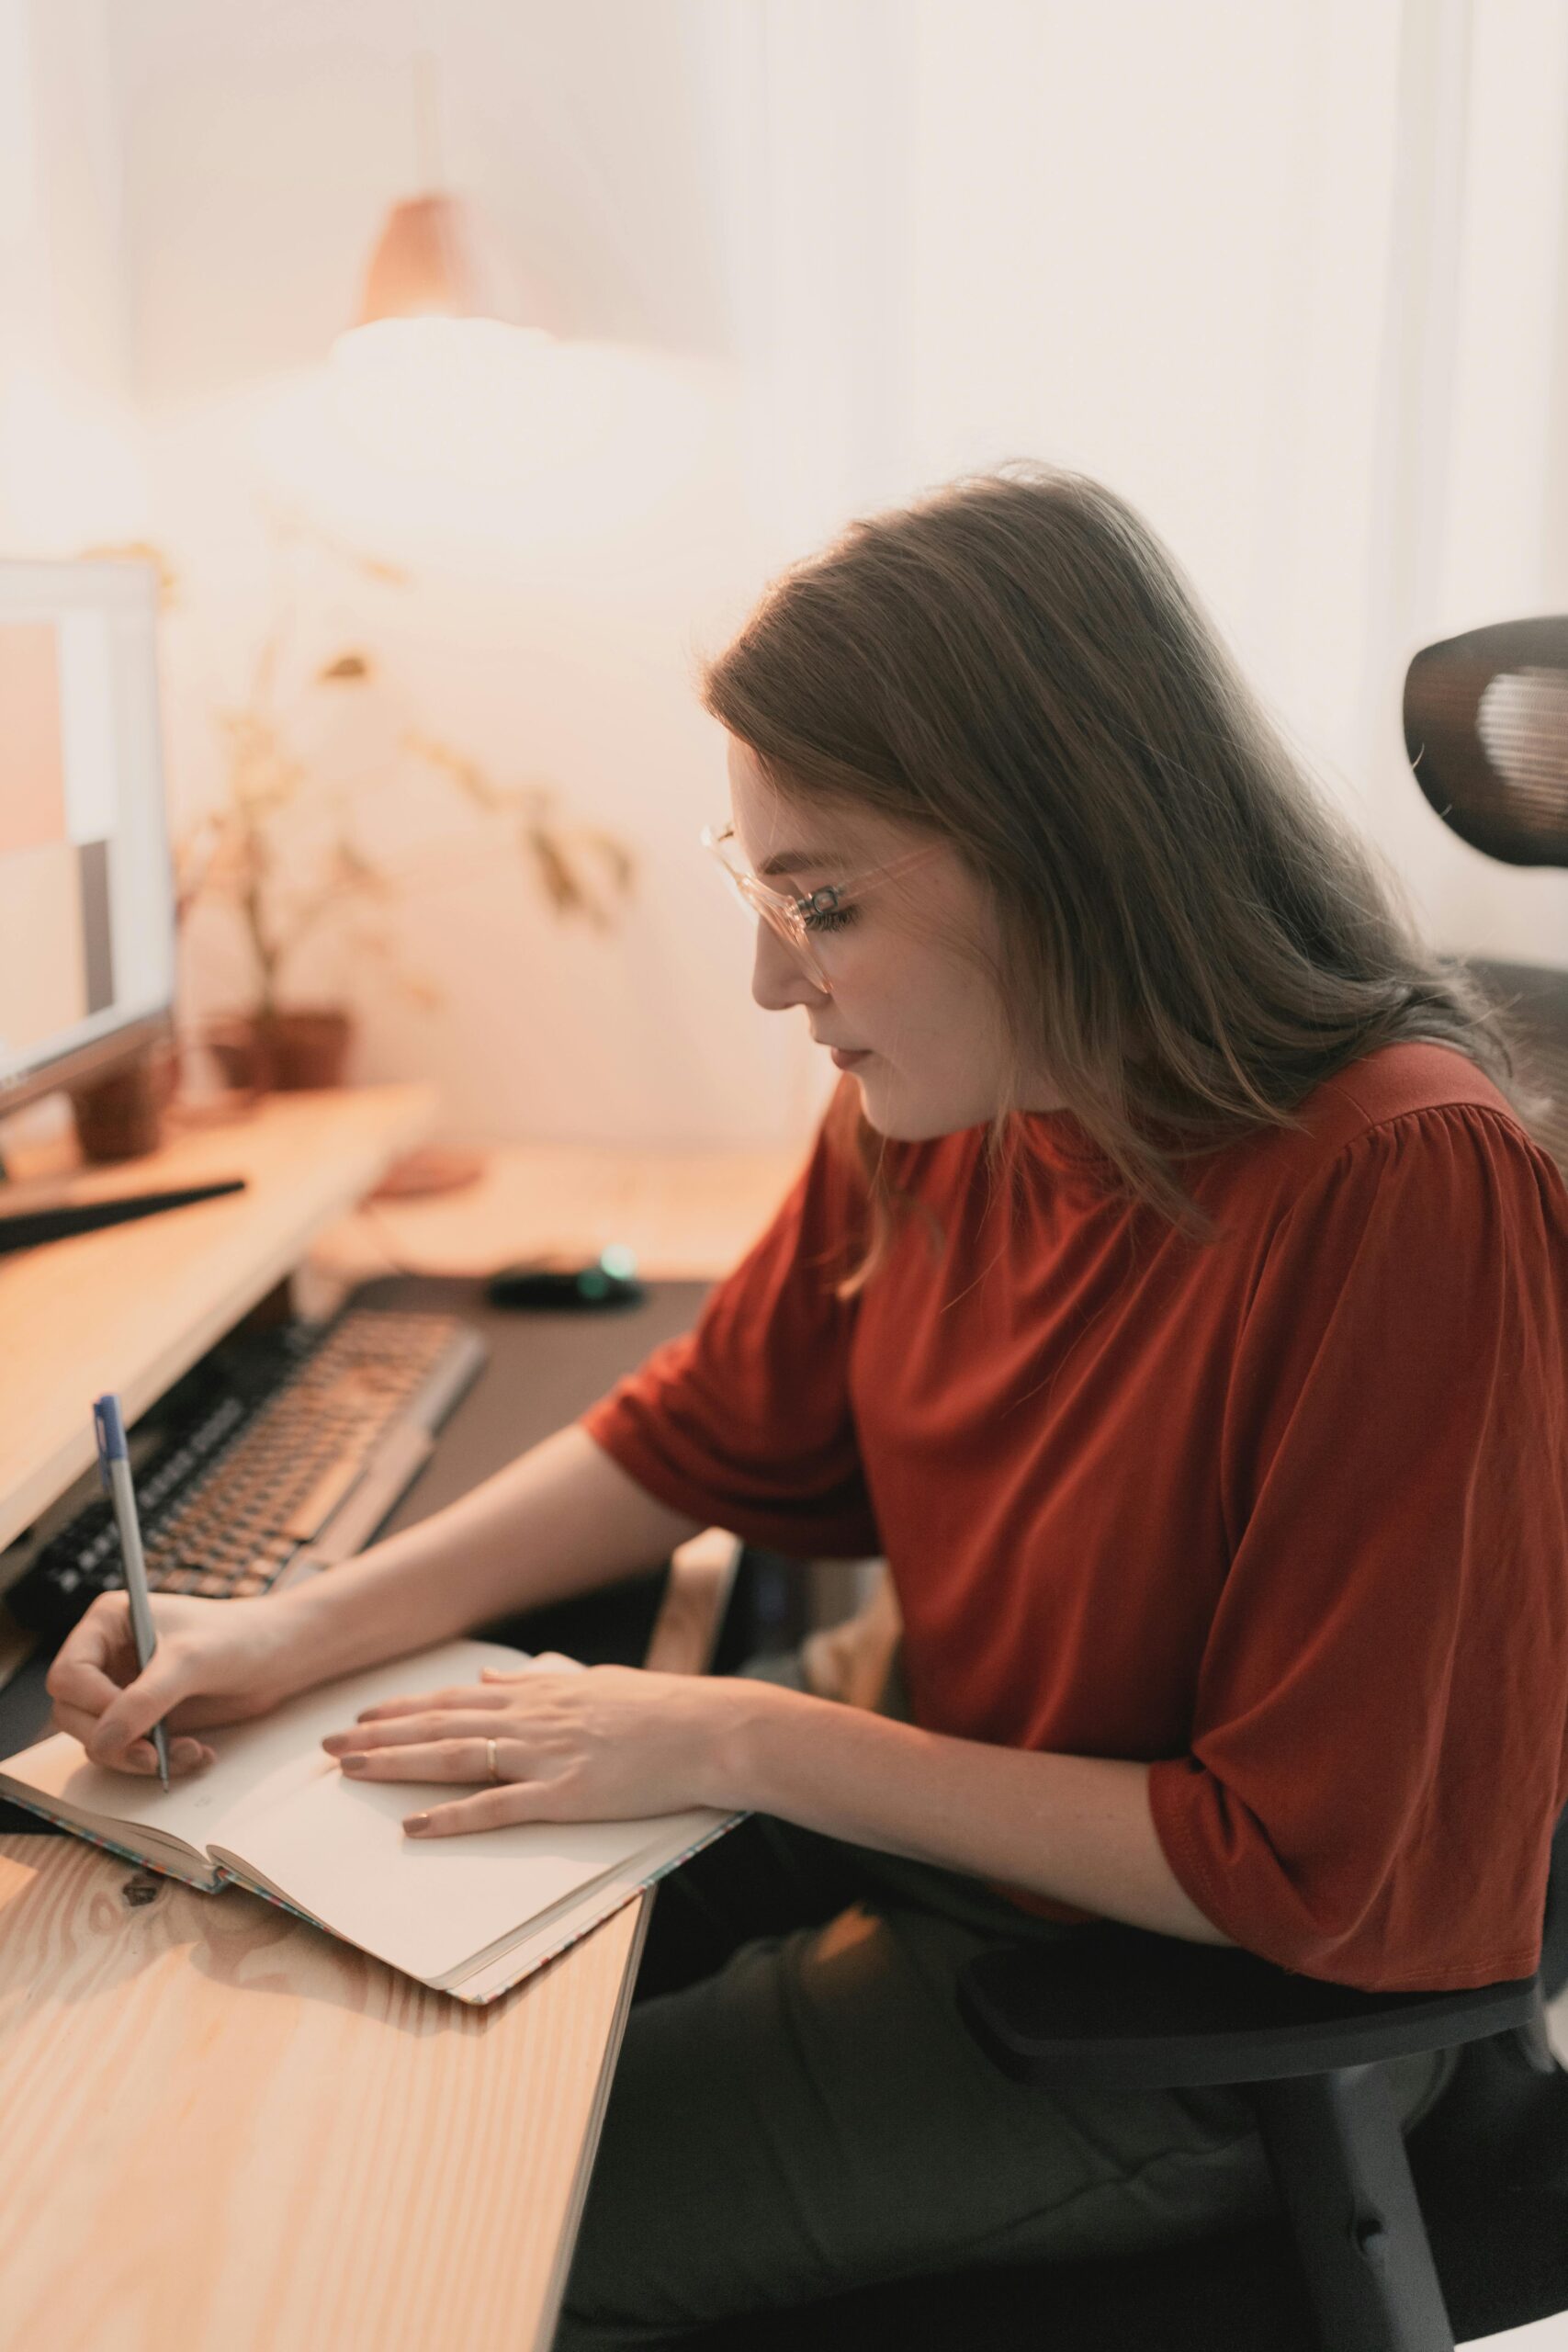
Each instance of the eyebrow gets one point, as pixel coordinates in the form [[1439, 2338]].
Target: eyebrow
[[792, 860]]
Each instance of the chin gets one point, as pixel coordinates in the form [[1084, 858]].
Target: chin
[[901, 1115]]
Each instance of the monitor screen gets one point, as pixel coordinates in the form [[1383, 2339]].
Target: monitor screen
[[86, 894]]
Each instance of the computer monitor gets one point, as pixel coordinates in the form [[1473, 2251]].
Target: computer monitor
[[86, 889]]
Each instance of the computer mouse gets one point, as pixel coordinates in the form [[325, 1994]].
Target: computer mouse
[[604, 1280]]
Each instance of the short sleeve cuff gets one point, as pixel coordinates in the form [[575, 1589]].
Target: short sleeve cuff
[[619, 1428]]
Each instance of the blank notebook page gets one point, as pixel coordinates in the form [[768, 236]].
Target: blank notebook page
[[337, 1847]]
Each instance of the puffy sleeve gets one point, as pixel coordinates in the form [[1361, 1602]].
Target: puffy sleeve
[[747, 1420], [1380, 1745]]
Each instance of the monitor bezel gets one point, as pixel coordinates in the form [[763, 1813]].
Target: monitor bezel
[[81, 1066], [124, 578]]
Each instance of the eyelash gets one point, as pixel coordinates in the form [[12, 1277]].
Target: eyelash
[[828, 918]]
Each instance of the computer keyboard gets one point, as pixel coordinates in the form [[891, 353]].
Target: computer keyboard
[[284, 1448]]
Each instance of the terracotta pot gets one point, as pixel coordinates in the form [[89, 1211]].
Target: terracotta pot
[[122, 1118], [298, 1046]]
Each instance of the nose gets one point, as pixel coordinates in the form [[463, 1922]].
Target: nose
[[778, 977]]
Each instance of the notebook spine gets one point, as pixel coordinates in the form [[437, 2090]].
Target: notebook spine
[[276, 1901]]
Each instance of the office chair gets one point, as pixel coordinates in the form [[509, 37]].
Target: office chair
[[1486, 731], [1384, 2241]]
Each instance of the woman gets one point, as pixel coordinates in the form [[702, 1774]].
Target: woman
[[1172, 1294]]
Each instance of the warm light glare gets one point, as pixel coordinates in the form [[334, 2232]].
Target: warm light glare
[[431, 393], [69, 467], [471, 426]]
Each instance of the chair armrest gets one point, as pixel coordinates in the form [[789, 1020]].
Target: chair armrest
[[687, 1627], [1126, 2009]]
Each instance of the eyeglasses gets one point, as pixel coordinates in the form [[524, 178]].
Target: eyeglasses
[[799, 921]]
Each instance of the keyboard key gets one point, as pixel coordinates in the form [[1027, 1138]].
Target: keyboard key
[[240, 1481]]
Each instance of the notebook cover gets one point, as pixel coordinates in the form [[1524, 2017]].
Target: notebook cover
[[574, 1933], [108, 1845]]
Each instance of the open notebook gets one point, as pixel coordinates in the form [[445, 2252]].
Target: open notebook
[[468, 1915]]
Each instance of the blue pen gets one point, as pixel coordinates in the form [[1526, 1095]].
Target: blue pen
[[113, 1465]]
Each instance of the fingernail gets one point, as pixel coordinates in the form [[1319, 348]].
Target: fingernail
[[355, 1763], [417, 1824]]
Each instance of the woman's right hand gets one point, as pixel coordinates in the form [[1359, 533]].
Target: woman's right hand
[[216, 1662]]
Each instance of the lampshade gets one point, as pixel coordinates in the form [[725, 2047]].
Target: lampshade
[[436, 259]]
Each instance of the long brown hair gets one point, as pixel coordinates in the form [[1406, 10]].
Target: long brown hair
[[1192, 937]]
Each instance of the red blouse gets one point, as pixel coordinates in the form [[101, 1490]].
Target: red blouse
[[1284, 1517]]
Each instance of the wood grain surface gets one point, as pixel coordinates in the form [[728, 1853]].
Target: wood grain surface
[[130, 1308], [685, 1216], [337, 2160]]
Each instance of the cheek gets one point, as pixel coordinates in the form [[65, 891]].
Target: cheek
[[880, 985], [923, 992]]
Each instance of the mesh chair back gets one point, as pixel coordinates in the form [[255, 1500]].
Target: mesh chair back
[[1486, 729]]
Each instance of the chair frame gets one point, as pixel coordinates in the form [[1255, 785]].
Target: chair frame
[[1121, 2008]]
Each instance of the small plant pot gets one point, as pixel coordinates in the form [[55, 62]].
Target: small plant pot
[[122, 1118], [298, 1047]]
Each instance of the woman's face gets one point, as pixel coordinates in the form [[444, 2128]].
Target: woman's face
[[924, 1018]]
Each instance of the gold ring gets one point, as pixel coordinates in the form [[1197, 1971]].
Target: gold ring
[[490, 1752]]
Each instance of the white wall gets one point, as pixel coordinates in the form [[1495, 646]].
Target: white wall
[[71, 449], [559, 603], [1290, 278]]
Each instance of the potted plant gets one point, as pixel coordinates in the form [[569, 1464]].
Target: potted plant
[[284, 850]]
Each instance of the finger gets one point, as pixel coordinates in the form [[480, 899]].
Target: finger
[[495, 1809], [81, 1682], [543, 1662], [137, 1708], [79, 1722], [437, 1760], [185, 1756], [401, 1731], [93, 1659], [418, 1701]]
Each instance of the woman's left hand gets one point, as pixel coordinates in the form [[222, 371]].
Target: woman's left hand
[[600, 1743]]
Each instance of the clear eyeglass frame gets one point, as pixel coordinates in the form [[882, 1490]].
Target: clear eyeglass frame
[[792, 916]]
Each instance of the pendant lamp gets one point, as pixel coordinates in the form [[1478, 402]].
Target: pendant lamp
[[430, 263], [436, 258]]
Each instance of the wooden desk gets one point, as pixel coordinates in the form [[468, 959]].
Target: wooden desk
[[687, 1216], [134, 1305], [224, 2132]]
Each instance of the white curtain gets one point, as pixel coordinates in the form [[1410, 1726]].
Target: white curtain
[[72, 460], [1289, 277]]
